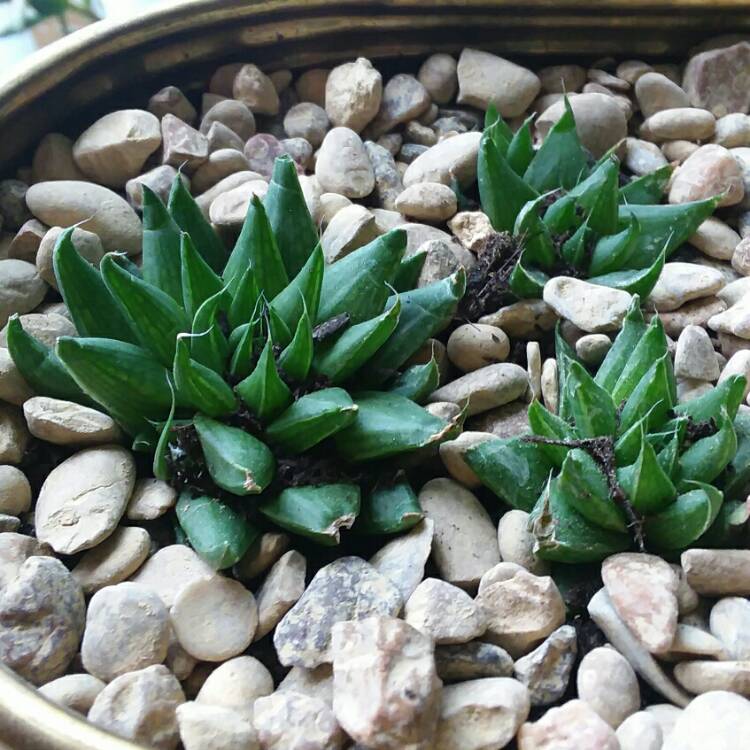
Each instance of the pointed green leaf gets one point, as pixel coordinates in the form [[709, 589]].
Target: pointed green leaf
[[502, 192], [565, 356], [586, 490], [199, 282], [727, 395], [245, 300], [389, 509], [493, 119], [357, 284], [125, 379], [613, 251], [686, 518], [647, 189], [545, 424], [241, 363], [526, 282], [603, 215], [537, 241], [154, 316], [562, 216], [236, 460], [652, 345], [264, 392], [424, 312], [199, 385], [634, 282], [160, 467], [408, 272], [303, 291], [311, 419], [280, 333], [340, 359], [417, 382], [318, 513], [219, 534], [628, 445], [653, 394], [92, 308], [208, 345], [290, 220], [592, 407], [668, 456], [728, 529], [387, 424], [514, 469], [664, 228], [521, 149], [256, 248], [575, 248], [297, 358], [736, 479], [706, 458], [561, 161], [633, 328], [188, 217], [161, 246], [40, 367], [564, 535], [648, 487]]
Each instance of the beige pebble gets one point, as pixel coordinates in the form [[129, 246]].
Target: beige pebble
[[427, 201], [682, 123], [710, 171], [74, 691], [88, 245], [452, 454], [353, 92], [68, 423], [15, 491], [255, 89], [236, 684], [281, 589]]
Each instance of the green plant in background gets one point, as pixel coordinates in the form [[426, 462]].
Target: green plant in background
[[558, 215], [623, 464], [264, 383]]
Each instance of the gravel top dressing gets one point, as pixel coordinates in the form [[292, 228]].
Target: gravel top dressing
[[342, 412]]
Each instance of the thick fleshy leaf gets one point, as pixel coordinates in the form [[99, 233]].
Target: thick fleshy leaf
[[526, 282], [389, 509], [521, 148], [296, 359], [647, 486], [586, 490], [417, 382], [264, 392], [92, 308], [311, 419], [303, 292], [493, 120], [188, 217], [219, 534], [154, 316], [40, 366], [575, 249], [563, 215], [387, 424], [545, 424], [647, 189], [317, 512], [501, 191], [198, 385], [706, 458], [729, 527], [634, 282], [564, 535], [125, 379], [161, 246], [612, 252], [160, 466], [602, 218], [199, 282], [244, 301], [408, 272], [633, 328], [241, 363], [565, 356], [538, 249], [424, 312], [689, 516], [256, 248], [736, 478], [628, 445], [651, 346], [561, 161], [663, 228], [290, 220], [592, 407], [208, 345], [357, 284], [339, 360], [281, 335], [727, 395], [236, 460], [669, 455], [653, 395], [514, 469]]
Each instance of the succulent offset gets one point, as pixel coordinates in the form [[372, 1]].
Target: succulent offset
[[557, 214], [623, 464], [236, 371]]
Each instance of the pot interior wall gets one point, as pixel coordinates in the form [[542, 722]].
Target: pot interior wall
[[113, 65]]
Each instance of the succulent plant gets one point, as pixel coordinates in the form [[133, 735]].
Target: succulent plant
[[557, 214], [257, 373], [623, 463]]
